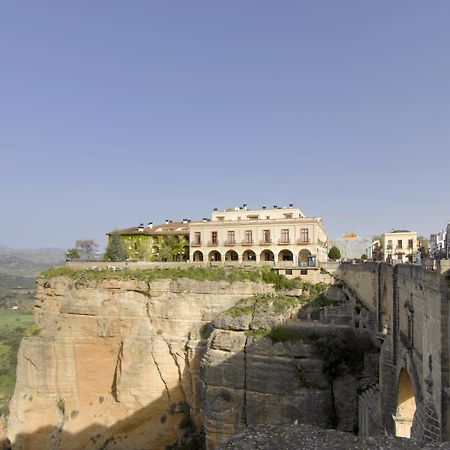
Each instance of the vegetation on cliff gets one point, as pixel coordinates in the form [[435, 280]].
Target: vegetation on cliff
[[13, 327], [231, 275]]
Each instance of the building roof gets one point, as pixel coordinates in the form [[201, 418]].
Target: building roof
[[171, 228]]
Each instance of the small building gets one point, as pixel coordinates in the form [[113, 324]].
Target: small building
[[399, 246], [283, 236], [145, 243]]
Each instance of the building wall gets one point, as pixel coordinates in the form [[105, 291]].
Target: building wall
[[394, 251], [353, 247], [239, 222]]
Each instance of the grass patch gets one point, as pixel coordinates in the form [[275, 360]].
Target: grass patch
[[231, 275]]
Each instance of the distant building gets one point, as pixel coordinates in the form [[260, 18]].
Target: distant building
[[440, 244], [399, 246], [143, 243], [278, 234], [353, 246]]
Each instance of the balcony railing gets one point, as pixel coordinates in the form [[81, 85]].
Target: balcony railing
[[196, 244], [284, 241], [247, 242], [230, 242], [304, 241], [213, 243], [265, 242]]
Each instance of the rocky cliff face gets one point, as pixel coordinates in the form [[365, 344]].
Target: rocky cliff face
[[265, 364], [116, 364]]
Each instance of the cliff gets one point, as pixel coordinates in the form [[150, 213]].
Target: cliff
[[267, 361], [116, 363]]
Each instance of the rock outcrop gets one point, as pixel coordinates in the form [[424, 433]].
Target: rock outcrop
[[116, 363], [264, 365]]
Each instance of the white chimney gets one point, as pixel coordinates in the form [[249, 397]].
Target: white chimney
[[150, 225]]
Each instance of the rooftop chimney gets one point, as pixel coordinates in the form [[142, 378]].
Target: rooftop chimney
[[263, 207], [215, 209], [245, 206], [150, 225], [204, 219], [291, 205], [185, 220], [167, 221], [275, 206], [141, 227]]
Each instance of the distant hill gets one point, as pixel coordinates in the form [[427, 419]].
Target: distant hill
[[28, 263]]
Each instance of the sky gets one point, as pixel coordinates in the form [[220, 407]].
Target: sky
[[114, 113]]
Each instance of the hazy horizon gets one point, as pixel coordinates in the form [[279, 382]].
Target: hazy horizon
[[115, 113]]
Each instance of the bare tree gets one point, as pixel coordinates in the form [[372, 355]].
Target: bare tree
[[86, 248]]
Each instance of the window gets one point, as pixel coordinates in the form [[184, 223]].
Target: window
[[230, 238], [304, 235], [410, 243], [288, 271], [389, 244], [399, 243], [197, 238], [248, 237], [284, 236], [303, 272], [213, 237], [266, 236]]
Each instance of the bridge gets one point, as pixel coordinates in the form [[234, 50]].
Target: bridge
[[408, 308]]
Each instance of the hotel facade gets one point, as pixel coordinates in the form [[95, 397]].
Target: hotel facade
[[277, 235]]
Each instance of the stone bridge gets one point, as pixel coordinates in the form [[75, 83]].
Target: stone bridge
[[407, 307]]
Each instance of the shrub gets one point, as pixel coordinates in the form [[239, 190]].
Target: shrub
[[334, 253]]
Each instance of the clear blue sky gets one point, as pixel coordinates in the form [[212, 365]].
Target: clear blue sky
[[119, 112]]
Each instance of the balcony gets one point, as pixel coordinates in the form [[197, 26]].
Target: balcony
[[284, 241], [213, 243], [247, 242], [265, 242], [230, 242], [304, 241], [196, 244]]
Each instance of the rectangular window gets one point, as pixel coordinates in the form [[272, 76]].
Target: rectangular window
[[410, 243], [284, 236], [197, 238], [266, 236], [248, 237], [389, 244], [213, 237], [304, 235], [231, 239], [399, 243], [288, 271]]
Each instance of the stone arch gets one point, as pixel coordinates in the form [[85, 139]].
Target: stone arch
[[267, 255], [249, 255], [285, 255], [231, 255], [303, 256], [406, 405], [197, 256], [214, 256]]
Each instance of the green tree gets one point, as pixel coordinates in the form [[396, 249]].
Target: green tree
[[364, 256], [116, 249], [172, 248], [72, 253], [334, 253]]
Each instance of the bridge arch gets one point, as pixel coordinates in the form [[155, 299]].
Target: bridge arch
[[406, 405]]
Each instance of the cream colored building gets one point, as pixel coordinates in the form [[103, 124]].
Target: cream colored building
[[399, 246], [282, 235]]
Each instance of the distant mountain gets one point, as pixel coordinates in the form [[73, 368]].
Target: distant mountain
[[29, 262]]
